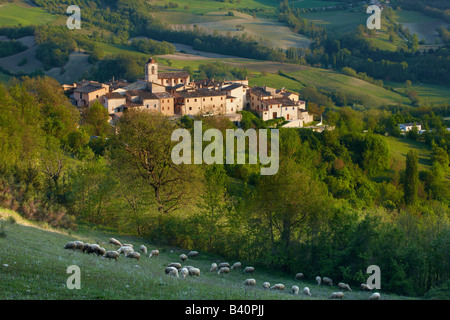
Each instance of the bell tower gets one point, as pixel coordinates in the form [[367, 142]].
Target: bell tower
[[151, 71]]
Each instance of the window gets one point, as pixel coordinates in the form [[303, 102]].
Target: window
[[195, 100], [97, 96], [187, 100], [231, 100], [211, 99], [221, 98], [190, 108], [155, 105], [163, 108], [203, 99]]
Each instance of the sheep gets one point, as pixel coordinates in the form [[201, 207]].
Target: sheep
[[194, 272], [193, 254], [86, 247], [70, 245], [249, 270], [306, 291], [344, 286], [249, 282], [365, 287], [115, 241], [92, 248], [223, 265], [143, 249], [175, 264], [172, 271], [128, 245], [123, 249], [154, 253], [375, 296], [101, 251], [183, 257], [327, 281], [223, 270], [236, 265], [319, 280], [278, 286], [266, 285], [295, 290], [188, 267], [299, 276], [80, 245], [337, 295], [213, 267], [184, 272], [133, 255], [111, 255]]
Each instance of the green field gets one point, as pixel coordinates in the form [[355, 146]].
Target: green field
[[312, 3], [429, 93], [12, 14], [37, 265], [339, 21], [417, 22], [399, 148]]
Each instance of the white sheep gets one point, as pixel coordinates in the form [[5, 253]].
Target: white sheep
[[375, 296], [184, 272], [143, 249], [154, 253], [278, 286], [95, 248], [327, 281], [111, 255], [115, 241], [318, 279], [213, 267], [295, 290], [223, 265], [175, 264], [194, 272], [337, 295], [133, 255], [172, 271], [223, 270], [236, 265], [128, 245], [249, 270], [306, 291], [70, 245], [249, 282], [266, 285], [183, 257], [365, 287], [299, 276], [344, 286], [123, 249], [188, 267], [193, 254]]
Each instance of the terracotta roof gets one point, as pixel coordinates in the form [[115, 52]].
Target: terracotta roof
[[114, 95], [201, 93], [88, 88], [171, 75]]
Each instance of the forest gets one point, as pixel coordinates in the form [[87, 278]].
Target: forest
[[335, 207]]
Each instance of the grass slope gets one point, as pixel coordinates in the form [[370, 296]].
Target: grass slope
[[37, 265], [13, 14]]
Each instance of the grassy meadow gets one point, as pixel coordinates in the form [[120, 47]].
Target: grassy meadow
[[13, 14], [37, 263]]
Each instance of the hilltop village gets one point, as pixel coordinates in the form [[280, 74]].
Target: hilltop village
[[173, 94]]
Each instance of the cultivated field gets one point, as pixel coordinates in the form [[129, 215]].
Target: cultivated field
[[37, 263]]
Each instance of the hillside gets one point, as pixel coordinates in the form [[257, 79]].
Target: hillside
[[37, 266]]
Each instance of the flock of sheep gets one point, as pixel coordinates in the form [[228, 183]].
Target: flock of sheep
[[175, 269]]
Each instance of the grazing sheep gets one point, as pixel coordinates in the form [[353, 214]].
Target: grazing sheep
[[193, 254], [143, 249], [188, 267], [249, 270], [365, 287], [172, 271], [337, 295], [266, 285], [123, 249], [344, 286], [128, 245], [133, 255], [112, 255], [299, 276], [80, 245], [213, 267], [115, 241], [223, 270], [183, 257], [194, 272], [278, 286], [70, 245], [306, 291], [176, 265], [327, 281], [223, 265], [375, 296], [236, 265], [295, 289], [93, 248], [184, 272], [86, 247], [101, 251], [249, 282], [319, 280], [154, 253]]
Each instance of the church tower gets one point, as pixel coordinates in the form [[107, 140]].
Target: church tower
[[151, 71]]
